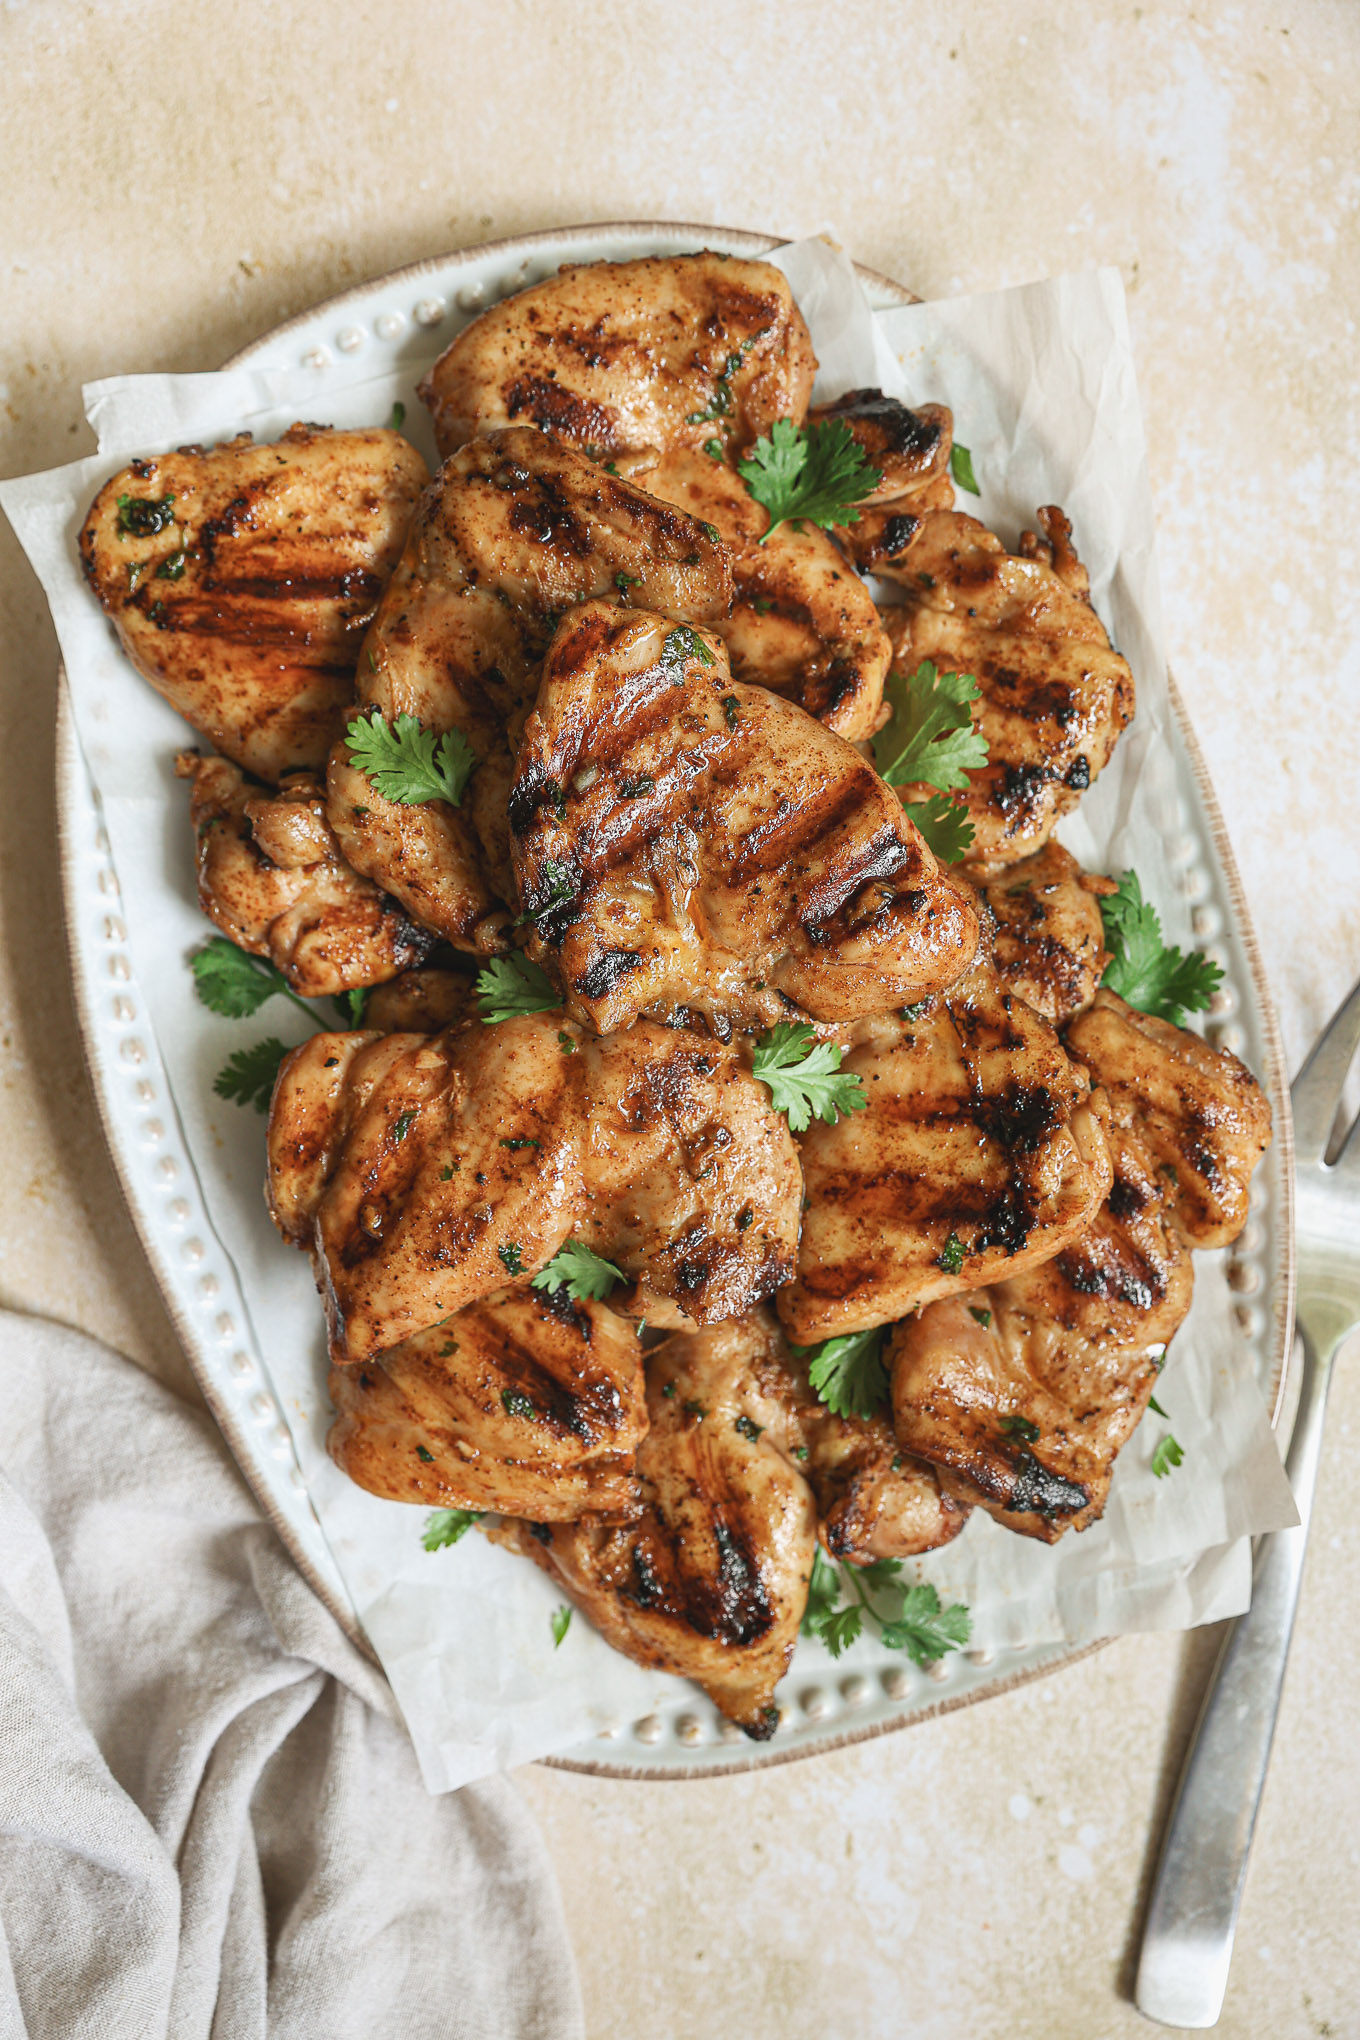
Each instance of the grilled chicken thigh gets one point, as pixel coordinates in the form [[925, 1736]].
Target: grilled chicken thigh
[[625, 360], [802, 624], [1055, 695], [1199, 1109], [525, 1403], [515, 531], [270, 874], [1025, 1392], [685, 842], [873, 1500], [241, 580], [691, 1179], [981, 1148], [420, 1002], [711, 1581], [1046, 936], [911, 451], [421, 1171]]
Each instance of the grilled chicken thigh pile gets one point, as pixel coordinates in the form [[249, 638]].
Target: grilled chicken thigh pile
[[660, 821]]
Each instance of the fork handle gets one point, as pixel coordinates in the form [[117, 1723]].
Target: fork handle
[[1192, 1917]]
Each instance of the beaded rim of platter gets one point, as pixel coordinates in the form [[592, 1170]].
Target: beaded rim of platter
[[822, 1705]]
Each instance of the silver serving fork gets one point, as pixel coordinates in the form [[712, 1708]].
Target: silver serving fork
[[1191, 1920]]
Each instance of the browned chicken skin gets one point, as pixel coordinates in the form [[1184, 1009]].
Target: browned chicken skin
[[525, 1403], [1023, 1393], [979, 1130], [515, 530], [1046, 936], [911, 451], [241, 580], [421, 1171], [270, 874], [420, 1002], [802, 624], [683, 841], [626, 360], [1055, 695], [873, 1500], [711, 1581], [1199, 1109]]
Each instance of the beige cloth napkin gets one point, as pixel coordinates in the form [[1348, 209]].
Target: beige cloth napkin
[[211, 1818]]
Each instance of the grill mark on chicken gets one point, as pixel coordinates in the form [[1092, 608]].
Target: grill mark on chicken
[[508, 1406], [248, 599], [654, 786], [630, 359], [1055, 695]]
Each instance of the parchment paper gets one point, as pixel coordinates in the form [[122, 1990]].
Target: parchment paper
[[1041, 383]]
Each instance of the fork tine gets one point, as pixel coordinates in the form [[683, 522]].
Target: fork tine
[[1316, 1091]]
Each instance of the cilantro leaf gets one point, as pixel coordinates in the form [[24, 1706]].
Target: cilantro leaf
[[578, 1271], [817, 475], [408, 764], [912, 1619], [446, 1526], [235, 984], [559, 888], [561, 1623], [944, 823], [511, 985], [801, 1078], [1144, 970], [248, 1077], [848, 1373], [353, 1002], [924, 1629], [929, 738], [1167, 1455], [961, 467]]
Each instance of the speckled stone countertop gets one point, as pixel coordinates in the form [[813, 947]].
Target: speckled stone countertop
[[177, 180]]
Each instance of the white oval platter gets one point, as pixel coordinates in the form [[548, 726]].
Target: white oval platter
[[397, 322]]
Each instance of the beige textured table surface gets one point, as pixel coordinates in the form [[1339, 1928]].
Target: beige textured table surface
[[174, 179]]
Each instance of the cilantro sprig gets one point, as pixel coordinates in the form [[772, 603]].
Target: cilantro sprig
[[814, 476], [1146, 972], [235, 984], [848, 1372], [248, 1077], [580, 1272], [446, 1526], [561, 1623], [909, 1618], [1167, 1453], [801, 1078], [407, 763], [513, 985], [929, 740]]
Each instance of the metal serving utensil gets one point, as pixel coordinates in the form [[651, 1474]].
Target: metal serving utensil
[[1191, 1921]]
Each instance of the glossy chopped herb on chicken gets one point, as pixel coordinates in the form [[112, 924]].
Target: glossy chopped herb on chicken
[[627, 360], [684, 842], [421, 1171], [527, 1404], [241, 580], [1055, 695], [514, 532], [980, 1147], [1024, 1393], [803, 623], [271, 876]]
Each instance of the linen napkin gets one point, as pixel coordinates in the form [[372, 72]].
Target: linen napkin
[[212, 1822]]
